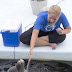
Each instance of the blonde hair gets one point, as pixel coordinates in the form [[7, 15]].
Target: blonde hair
[[55, 9]]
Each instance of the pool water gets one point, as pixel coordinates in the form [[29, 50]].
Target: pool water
[[37, 66]]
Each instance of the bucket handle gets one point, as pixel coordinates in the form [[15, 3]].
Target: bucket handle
[[5, 32]]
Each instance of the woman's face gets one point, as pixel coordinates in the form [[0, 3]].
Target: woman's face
[[52, 18]]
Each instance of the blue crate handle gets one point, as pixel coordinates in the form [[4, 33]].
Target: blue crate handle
[[5, 32]]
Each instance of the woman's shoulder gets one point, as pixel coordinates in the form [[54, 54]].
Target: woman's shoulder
[[62, 14]]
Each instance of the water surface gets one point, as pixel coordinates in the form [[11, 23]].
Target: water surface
[[37, 66]]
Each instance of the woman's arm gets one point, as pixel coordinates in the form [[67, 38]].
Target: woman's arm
[[33, 38], [32, 42], [65, 23], [67, 30]]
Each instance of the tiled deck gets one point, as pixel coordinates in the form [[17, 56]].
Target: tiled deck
[[22, 10]]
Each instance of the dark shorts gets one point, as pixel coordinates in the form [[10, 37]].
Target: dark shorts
[[53, 36]]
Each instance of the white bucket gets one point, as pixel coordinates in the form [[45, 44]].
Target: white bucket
[[37, 5]]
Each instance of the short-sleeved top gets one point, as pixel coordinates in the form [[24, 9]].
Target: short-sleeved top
[[41, 22]]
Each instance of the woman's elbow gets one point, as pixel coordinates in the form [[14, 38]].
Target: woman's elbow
[[35, 32]]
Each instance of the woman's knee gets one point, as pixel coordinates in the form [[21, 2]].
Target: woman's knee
[[62, 38], [23, 35], [25, 40], [26, 36]]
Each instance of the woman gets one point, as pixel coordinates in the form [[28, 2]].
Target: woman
[[46, 30]]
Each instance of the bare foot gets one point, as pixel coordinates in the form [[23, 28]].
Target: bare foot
[[53, 45]]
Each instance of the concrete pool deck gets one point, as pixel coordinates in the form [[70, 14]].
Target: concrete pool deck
[[63, 50]]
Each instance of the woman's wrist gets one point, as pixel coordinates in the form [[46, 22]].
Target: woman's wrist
[[31, 49], [66, 31]]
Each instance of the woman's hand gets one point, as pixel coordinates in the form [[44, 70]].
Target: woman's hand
[[59, 31], [30, 53]]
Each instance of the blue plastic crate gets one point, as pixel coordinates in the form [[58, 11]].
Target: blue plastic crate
[[11, 38]]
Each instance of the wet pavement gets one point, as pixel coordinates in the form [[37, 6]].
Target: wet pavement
[[37, 66]]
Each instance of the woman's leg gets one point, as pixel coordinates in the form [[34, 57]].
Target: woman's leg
[[26, 36], [44, 41], [50, 39], [45, 38]]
